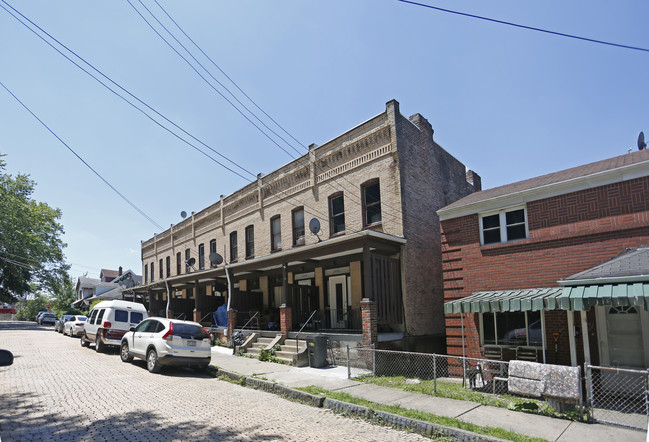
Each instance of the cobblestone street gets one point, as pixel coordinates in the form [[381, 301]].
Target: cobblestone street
[[57, 390]]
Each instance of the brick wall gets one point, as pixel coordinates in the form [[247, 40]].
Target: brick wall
[[567, 234]]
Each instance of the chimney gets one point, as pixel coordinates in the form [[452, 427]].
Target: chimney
[[474, 179], [120, 270]]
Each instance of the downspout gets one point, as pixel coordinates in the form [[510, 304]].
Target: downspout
[[168, 298], [227, 275]]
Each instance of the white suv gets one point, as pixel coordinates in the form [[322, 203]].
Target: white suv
[[162, 341], [108, 322]]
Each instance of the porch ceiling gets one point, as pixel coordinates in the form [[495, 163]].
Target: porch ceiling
[[339, 246], [576, 298]]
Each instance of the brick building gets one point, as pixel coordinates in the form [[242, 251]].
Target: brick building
[[511, 256], [374, 191]]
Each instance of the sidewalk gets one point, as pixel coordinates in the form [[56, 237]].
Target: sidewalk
[[335, 379]]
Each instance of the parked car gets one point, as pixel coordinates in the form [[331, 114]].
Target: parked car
[[108, 321], [38, 316], [47, 318], [58, 325], [163, 342], [74, 326]]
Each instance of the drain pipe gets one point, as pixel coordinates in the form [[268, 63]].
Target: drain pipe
[[227, 275], [168, 298]]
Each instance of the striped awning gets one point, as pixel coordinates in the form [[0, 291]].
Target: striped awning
[[555, 298]]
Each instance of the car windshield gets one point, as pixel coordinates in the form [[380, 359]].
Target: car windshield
[[189, 331]]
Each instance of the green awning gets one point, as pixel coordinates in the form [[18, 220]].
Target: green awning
[[555, 298]]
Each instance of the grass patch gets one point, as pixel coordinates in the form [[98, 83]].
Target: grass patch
[[454, 390], [423, 416]]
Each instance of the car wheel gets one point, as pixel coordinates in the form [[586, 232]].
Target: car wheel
[[152, 363], [84, 342], [123, 353], [99, 345]]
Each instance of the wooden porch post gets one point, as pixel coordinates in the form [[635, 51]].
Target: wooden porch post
[[584, 337], [367, 274], [571, 338], [198, 303]]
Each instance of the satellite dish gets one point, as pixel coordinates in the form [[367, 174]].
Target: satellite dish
[[219, 287], [190, 262], [183, 214], [215, 259], [641, 142], [314, 226]]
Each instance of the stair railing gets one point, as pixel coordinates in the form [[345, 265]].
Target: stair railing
[[300, 331]]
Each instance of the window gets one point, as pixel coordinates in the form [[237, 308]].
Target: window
[[234, 251], [161, 269], [146, 273], [336, 214], [511, 328], [506, 225], [371, 203], [168, 266], [152, 273], [100, 316], [187, 256], [275, 233], [179, 260], [121, 316], [212, 250], [201, 256], [250, 241], [136, 317], [298, 226]]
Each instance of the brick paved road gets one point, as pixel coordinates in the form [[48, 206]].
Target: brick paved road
[[57, 390]]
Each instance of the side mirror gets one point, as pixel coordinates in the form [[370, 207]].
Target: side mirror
[[131, 329], [6, 358]]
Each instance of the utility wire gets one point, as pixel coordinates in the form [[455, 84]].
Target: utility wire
[[140, 211], [226, 75], [16, 263], [531, 28]]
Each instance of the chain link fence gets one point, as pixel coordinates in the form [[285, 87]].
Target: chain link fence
[[618, 396], [489, 376]]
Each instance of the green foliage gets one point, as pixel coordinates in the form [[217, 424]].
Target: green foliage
[[64, 295], [31, 249], [420, 415], [269, 355], [94, 303], [28, 310]]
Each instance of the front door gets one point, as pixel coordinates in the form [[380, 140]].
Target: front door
[[338, 301]]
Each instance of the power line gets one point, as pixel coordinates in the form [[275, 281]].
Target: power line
[[531, 28], [130, 203]]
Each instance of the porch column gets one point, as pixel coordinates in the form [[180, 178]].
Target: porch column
[[232, 322], [584, 337], [367, 275], [571, 338], [284, 284], [199, 302], [285, 319], [370, 326]]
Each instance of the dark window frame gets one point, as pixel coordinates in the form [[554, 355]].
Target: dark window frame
[[367, 207], [250, 241], [168, 265], [275, 235], [298, 239], [234, 246], [179, 260], [161, 269], [146, 273], [201, 256], [333, 216], [188, 254]]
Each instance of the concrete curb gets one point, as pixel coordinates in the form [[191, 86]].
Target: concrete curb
[[392, 420]]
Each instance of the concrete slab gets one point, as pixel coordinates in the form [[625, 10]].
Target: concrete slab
[[375, 393], [437, 405], [578, 432], [523, 423]]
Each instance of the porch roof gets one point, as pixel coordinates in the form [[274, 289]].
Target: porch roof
[[576, 298]]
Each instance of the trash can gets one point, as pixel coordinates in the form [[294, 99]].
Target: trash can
[[317, 351]]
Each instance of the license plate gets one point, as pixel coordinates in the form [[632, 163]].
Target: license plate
[[191, 343]]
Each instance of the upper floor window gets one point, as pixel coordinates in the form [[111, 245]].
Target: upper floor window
[[201, 256], [276, 233], [146, 273], [505, 225], [250, 241], [298, 226], [187, 256], [234, 250], [168, 266], [212, 250], [179, 260], [336, 213], [371, 203], [152, 272], [161, 269]]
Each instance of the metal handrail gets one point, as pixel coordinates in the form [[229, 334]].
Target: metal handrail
[[300, 331], [251, 318], [206, 316]]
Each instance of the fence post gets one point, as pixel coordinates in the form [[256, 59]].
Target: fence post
[[373, 360], [435, 373], [646, 393], [589, 391], [349, 366]]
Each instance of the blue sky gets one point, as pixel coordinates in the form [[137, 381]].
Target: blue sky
[[509, 103]]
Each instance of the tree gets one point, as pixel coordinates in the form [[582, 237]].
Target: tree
[[28, 310], [64, 295], [31, 249]]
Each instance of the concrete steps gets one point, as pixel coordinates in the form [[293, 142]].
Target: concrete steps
[[288, 352]]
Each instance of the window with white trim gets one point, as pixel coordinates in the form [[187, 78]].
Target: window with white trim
[[511, 329], [503, 226]]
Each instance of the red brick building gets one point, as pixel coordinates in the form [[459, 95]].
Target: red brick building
[[510, 255]]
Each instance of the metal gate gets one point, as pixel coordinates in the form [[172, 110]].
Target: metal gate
[[618, 396]]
